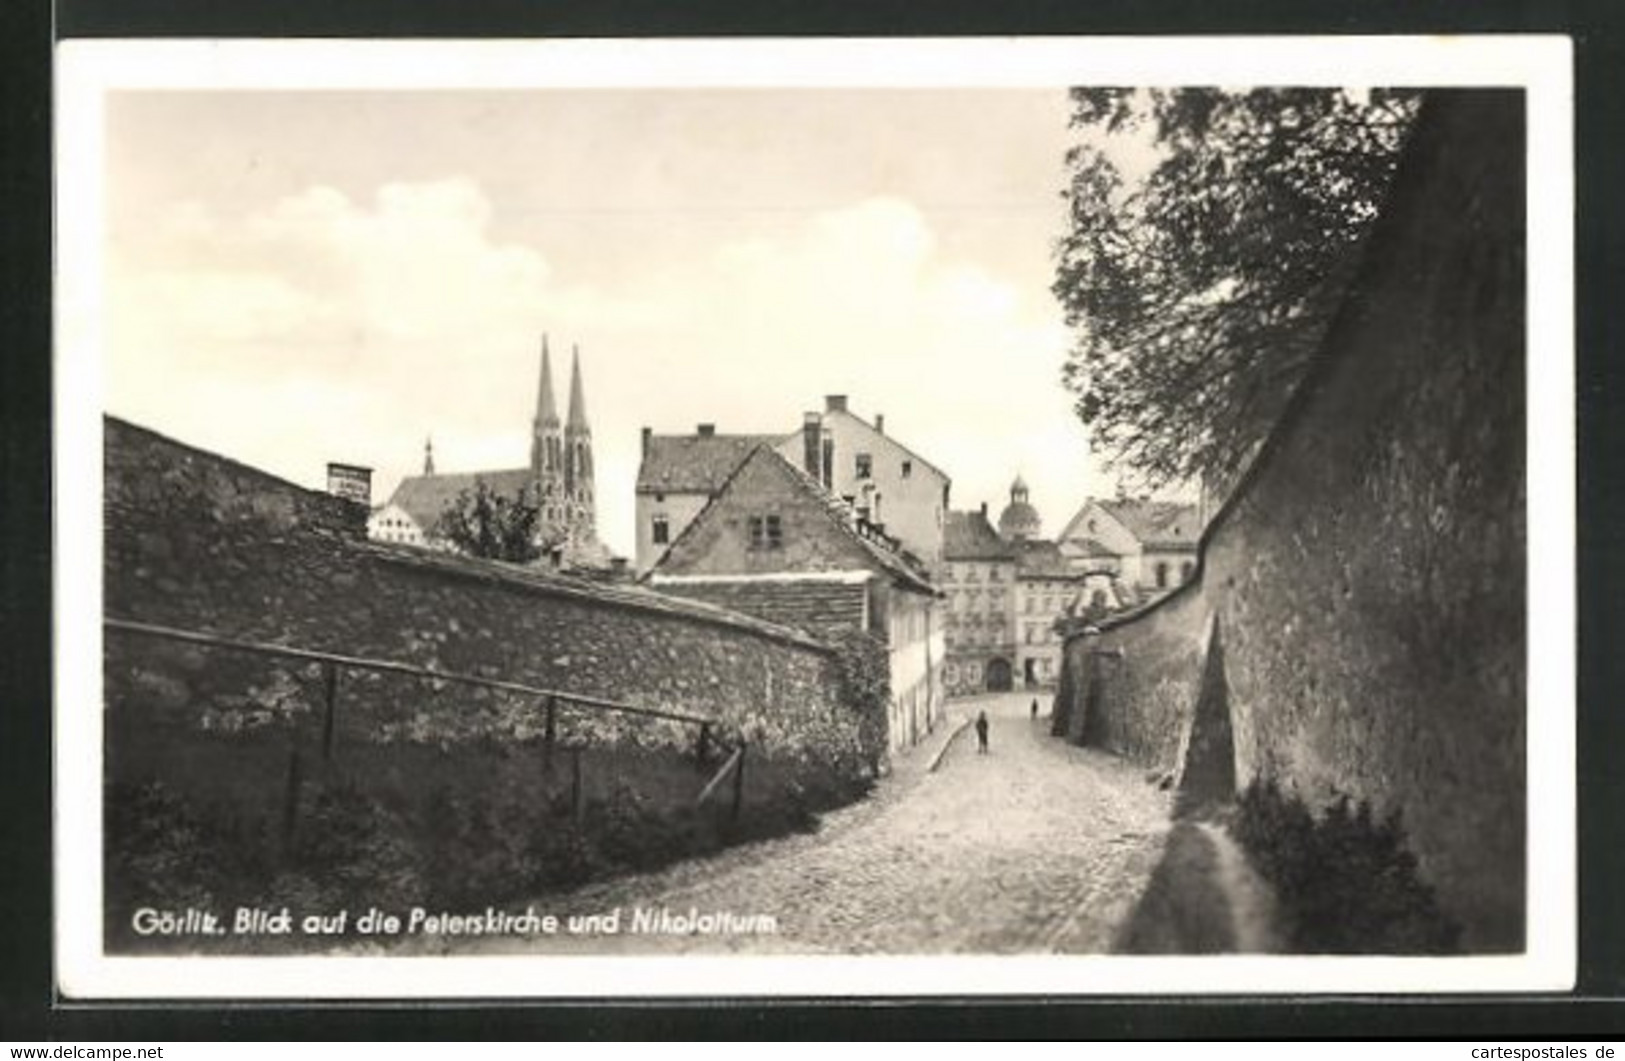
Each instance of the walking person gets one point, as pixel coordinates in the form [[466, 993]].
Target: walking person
[[1034, 713], [981, 732]]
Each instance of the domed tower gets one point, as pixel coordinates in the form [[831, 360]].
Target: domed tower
[[1019, 520]]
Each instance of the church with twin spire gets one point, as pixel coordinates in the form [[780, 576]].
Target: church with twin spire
[[559, 479]]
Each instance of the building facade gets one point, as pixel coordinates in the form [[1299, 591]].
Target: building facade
[[888, 484], [775, 544], [1150, 546], [559, 479], [978, 581]]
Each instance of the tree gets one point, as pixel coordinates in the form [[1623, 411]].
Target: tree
[[1199, 292], [482, 522]]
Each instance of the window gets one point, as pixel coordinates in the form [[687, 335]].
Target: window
[[660, 531], [766, 532], [1162, 576], [992, 574], [865, 466], [1097, 599], [908, 469]]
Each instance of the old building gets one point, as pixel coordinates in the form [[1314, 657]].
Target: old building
[[775, 544], [888, 485], [1151, 546], [559, 479], [677, 476], [1005, 591], [1047, 589], [978, 576]]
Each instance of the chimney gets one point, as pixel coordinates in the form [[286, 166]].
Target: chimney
[[984, 510], [812, 430], [829, 461], [648, 434], [880, 422], [706, 430], [835, 403]]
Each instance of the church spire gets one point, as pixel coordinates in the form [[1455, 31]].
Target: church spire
[[428, 455], [578, 403], [546, 410]]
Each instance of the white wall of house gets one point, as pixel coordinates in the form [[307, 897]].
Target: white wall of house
[[917, 648], [678, 509], [391, 523], [898, 487]]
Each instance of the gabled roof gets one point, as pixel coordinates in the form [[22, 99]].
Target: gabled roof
[[695, 463], [1157, 524], [881, 560], [425, 497], [849, 414], [969, 536]]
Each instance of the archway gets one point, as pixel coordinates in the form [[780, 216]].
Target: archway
[[998, 676]]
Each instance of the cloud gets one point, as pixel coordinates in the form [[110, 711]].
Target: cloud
[[324, 327]]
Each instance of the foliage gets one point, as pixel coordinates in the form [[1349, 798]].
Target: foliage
[[1198, 292], [865, 688], [494, 526], [1346, 883]]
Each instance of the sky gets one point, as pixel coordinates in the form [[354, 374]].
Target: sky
[[297, 277]]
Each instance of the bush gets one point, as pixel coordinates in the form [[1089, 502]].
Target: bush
[[1345, 883]]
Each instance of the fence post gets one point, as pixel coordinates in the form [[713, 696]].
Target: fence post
[[739, 781], [290, 798], [550, 733], [330, 683], [704, 750], [575, 784]]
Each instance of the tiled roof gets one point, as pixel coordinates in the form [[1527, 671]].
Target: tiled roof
[[889, 561], [882, 559], [1093, 547], [1041, 559], [969, 536], [425, 497], [812, 605], [1157, 524], [695, 463], [540, 579]]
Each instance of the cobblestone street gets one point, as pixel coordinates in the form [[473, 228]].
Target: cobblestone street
[[1037, 847]]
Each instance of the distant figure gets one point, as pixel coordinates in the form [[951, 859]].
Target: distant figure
[[981, 732], [1035, 707]]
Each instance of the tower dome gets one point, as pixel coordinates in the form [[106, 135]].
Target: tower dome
[[1019, 520]]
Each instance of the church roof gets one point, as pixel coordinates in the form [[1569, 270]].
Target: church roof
[[969, 536], [1157, 524], [546, 409], [1019, 517], [695, 463], [578, 401], [425, 497]]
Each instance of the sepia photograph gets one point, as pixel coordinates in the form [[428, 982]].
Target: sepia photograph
[[871, 517]]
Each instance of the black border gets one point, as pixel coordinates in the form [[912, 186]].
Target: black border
[[28, 1009]]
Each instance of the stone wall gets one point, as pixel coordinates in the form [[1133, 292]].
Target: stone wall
[[1367, 577], [197, 541]]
